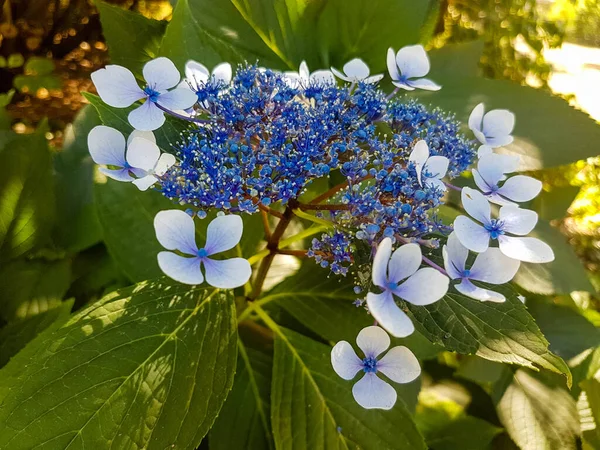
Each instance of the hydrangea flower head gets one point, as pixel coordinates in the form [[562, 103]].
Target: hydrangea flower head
[[494, 128], [491, 266], [399, 364], [175, 230], [117, 87], [420, 286], [508, 229], [355, 71], [408, 66]]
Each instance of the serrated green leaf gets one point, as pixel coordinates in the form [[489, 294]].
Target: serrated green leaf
[[537, 413], [311, 407], [132, 39], [30, 287], [145, 367]]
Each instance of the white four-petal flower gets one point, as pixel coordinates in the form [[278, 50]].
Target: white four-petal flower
[[175, 230], [511, 220], [117, 87], [399, 365], [305, 78], [143, 158], [491, 266], [355, 71], [197, 75], [430, 170], [494, 128], [489, 174], [421, 286], [409, 63]]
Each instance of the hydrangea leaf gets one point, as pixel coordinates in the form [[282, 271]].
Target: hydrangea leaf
[[311, 407], [589, 411], [167, 357], [126, 48]]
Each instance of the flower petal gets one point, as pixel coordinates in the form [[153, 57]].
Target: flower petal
[[476, 205], [344, 360], [467, 288], [107, 146], [177, 99], [373, 341], [175, 230], [340, 75], [484, 150], [491, 168], [402, 85], [118, 174], [116, 86], [143, 154], [147, 117], [223, 233], [371, 392], [455, 256], [148, 135], [385, 311], [471, 234], [520, 188], [145, 182], [322, 77], [196, 74], [426, 286], [437, 166], [499, 141], [356, 69], [516, 220], [412, 61], [391, 65], [161, 74], [424, 83], [222, 73], [304, 72], [498, 124], [476, 117], [493, 266], [373, 79], [179, 268], [165, 161], [399, 365], [405, 261], [434, 183], [526, 249], [227, 273], [418, 157], [482, 184], [380, 263]]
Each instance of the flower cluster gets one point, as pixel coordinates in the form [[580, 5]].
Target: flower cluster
[[258, 138]]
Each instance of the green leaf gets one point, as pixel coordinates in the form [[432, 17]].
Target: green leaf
[[145, 367], [503, 332], [537, 413], [248, 405], [77, 222], [314, 299], [591, 427], [281, 34], [30, 287], [553, 204], [15, 335], [132, 39], [563, 275], [27, 204], [126, 216], [31, 83], [313, 408], [541, 119], [5, 118]]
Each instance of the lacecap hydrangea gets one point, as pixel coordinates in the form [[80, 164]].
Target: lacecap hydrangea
[[369, 168]]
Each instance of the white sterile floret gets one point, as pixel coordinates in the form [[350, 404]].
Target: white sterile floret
[[304, 78], [117, 87], [197, 75], [512, 223], [408, 66], [491, 266], [492, 129], [355, 71], [175, 230], [489, 178], [420, 286], [399, 364], [430, 169]]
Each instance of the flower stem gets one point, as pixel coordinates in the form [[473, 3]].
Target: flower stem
[[181, 116], [451, 186], [331, 207], [426, 260]]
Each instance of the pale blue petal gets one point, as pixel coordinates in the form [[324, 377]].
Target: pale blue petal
[[356, 69], [399, 365], [405, 261], [476, 205], [177, 99], [116, 86], [497, 125], [340, 75], [117, 174], [467, 288], [391, 65], [175, 230], [145, 182], [371, 392], [476, 117], [107, 146], [455, 256], [179, 268], [373, 341], [385, 311], [147, 117], [223, 233], [344, 360], [498, 141], [322, 77], [491, 168], [373, 79], [148, 135], [143, 154], [424, 83], [412, 61], [196, 74], [227, 273], [437, 166], [418, 156], [380, 263], [471, 234], [516, 220], [222, 73], [426, 286], [402, 85], [161, 74], [434, 183], [526, 249], [493, 266], [521, 188]]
